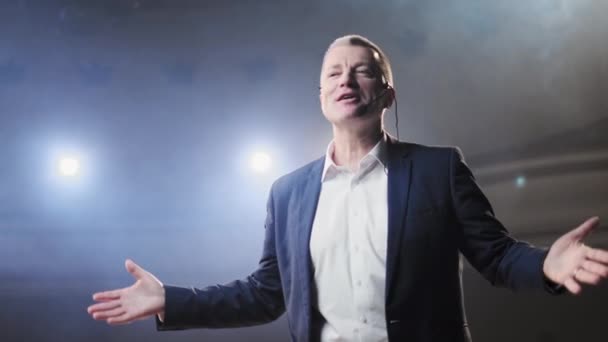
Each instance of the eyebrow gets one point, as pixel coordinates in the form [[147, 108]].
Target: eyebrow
[[365, 64]]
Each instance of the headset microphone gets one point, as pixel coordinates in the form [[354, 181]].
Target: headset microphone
[[388, 87]]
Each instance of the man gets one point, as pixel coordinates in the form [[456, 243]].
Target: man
[[363, 244]]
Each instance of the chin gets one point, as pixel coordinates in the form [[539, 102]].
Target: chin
[[342, 118], [351, 119], [344, 114]]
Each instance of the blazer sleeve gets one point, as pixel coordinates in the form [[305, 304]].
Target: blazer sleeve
[[254, 300], [486, 243]]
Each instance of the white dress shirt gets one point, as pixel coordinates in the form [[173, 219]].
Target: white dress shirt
[[348, 248]]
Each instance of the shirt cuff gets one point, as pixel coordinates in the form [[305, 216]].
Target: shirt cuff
[[552, 287]]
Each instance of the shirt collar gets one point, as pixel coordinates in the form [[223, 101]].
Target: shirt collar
[[377, 154]]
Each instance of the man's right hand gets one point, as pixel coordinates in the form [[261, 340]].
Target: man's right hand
[[143, 299]]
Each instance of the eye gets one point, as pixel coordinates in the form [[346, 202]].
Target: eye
[[365, 72], [333, 74]]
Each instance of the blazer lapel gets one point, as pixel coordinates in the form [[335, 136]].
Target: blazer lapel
[[307, 198], [399, 174]]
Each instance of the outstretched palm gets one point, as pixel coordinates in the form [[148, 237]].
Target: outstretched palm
[[143, 299], [570, 262]]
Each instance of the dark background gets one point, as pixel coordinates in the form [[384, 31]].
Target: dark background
[[165, 101]]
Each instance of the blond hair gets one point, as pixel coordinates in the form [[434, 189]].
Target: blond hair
[[379, 55]]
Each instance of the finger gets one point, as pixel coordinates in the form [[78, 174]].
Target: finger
[[103, 306], [109, 314], [108, 295], [597, 255], [584, 229], [572, 286], [587, 277], [596, 267], [122, 319], [134, 269]]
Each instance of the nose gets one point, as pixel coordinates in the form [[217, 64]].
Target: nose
[[348, 79]]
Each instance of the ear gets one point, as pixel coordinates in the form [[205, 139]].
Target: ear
[[389, 96]]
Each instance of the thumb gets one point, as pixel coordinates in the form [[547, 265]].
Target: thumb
[[584, 229], [135, 270]]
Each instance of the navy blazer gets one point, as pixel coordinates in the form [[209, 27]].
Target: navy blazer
[[435, 211]]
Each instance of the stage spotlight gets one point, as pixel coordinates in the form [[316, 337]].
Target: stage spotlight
[[68, 166], [260, 162], [520, 181]]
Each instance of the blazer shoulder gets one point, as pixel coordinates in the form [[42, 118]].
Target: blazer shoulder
[[428, 151], [298, 176]]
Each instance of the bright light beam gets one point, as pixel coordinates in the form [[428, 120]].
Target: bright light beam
[[260, 162], [68, 166]]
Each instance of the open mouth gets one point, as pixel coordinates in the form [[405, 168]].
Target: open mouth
[[348, 98]]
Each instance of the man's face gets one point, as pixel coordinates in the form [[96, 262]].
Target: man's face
[[350, 81]]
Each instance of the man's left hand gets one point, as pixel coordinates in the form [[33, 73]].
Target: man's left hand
[[571, 263]]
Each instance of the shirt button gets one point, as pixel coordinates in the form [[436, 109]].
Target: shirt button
[[364, 320], [356, 248], [359, 283]]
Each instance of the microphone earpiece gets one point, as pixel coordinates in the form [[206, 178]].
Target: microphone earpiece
[[386, 87]]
